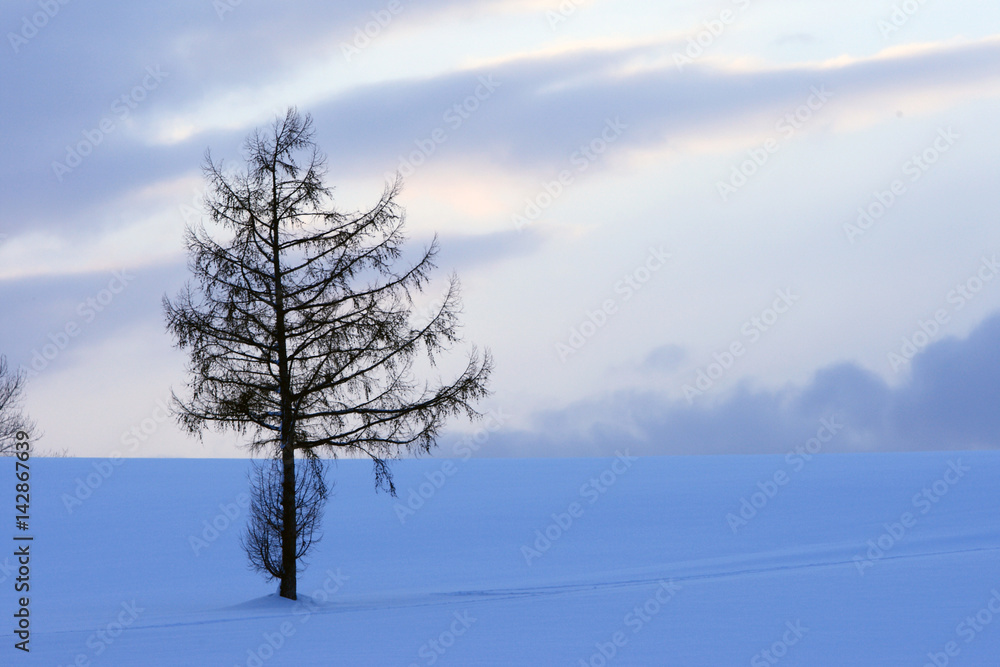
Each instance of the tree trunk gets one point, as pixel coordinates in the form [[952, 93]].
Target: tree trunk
[[288, 528], [289, 543]]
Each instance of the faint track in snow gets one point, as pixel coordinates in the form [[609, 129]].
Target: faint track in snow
[[682, 572]]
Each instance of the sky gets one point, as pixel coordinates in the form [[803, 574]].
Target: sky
[[729, 227]]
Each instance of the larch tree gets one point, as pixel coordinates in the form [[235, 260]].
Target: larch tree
[[301, 337]]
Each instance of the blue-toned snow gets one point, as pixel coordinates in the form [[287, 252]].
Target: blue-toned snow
[[854, 560]]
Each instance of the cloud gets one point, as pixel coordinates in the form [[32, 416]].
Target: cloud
[[947, 402], [543, 108], [795, 38], [67, 78], [482, 249], [664, 359], [61, 317], [547, 107]]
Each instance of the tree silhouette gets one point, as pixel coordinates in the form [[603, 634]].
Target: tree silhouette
[[262, 539], [298, 323], [12, 419]]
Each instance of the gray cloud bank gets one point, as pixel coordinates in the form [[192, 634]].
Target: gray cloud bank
[[948, 401]]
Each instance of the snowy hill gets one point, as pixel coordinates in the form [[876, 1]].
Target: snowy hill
[[716, 561]]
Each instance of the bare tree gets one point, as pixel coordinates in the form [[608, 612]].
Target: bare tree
[[262, 538], [12, 419], [299, 322]]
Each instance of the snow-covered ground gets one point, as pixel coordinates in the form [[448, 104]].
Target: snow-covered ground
[[845, 560]]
